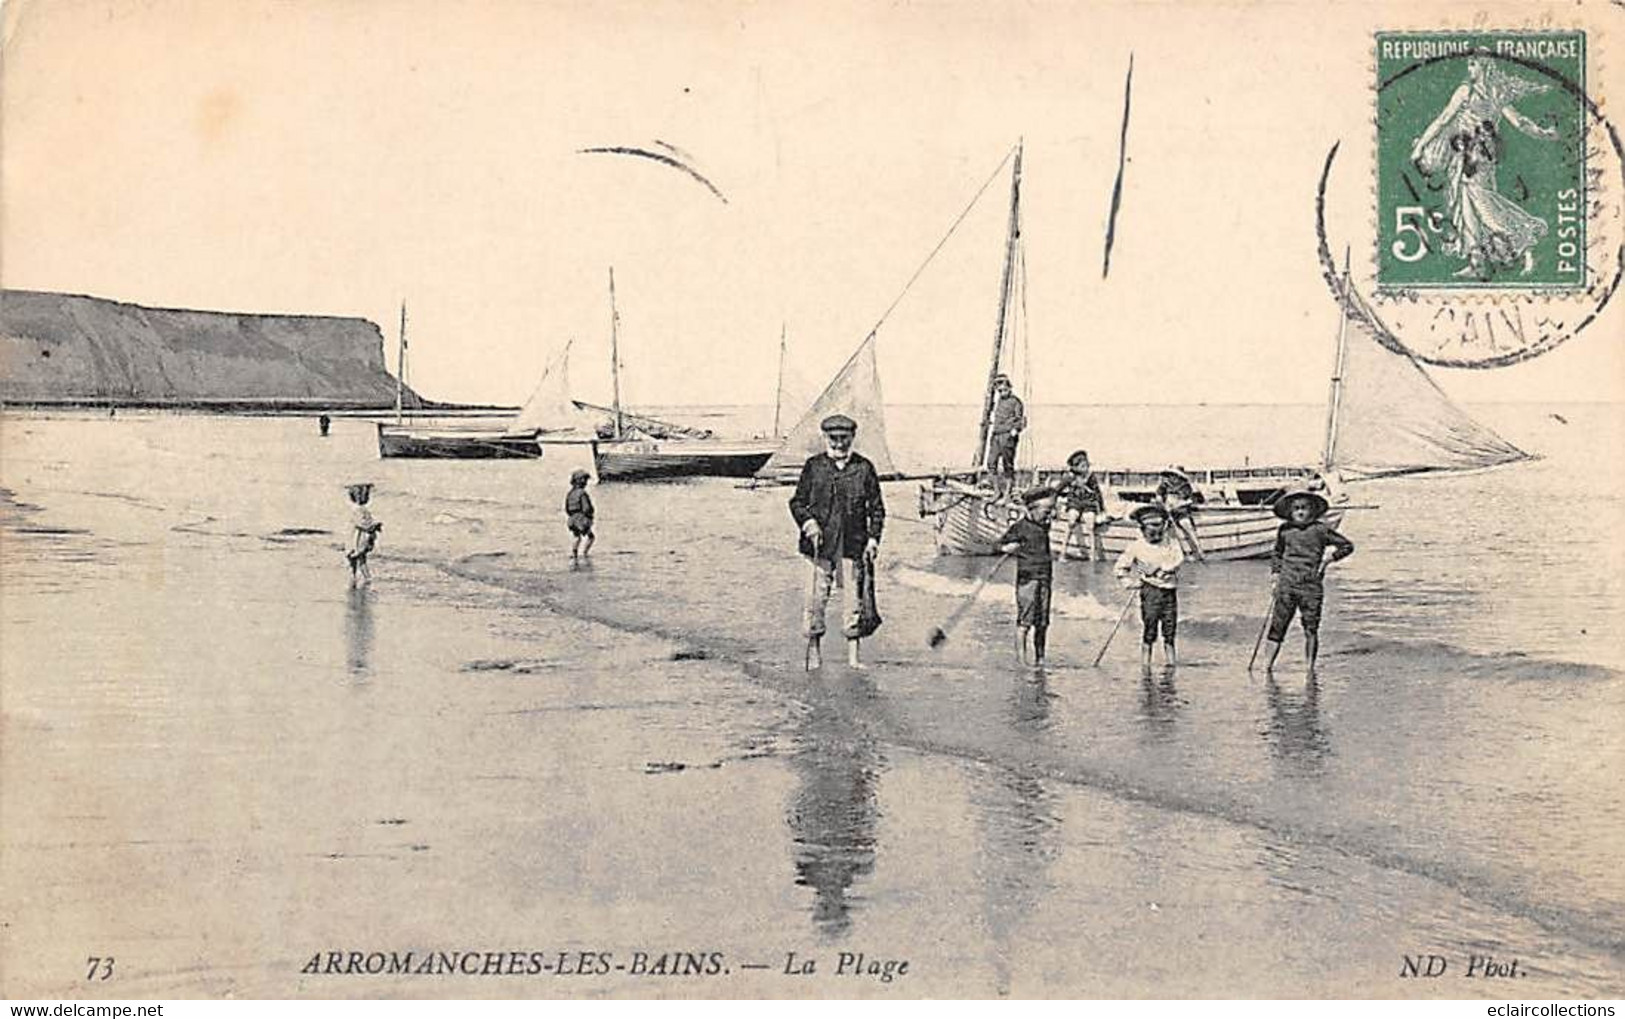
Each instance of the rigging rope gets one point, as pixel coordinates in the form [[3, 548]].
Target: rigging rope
[[1030, 455], [997, 171]]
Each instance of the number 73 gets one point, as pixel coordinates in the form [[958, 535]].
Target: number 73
[[98, 967], [1410, 219]]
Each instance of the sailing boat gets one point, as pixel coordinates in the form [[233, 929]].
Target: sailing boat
[[448, 440], [970, 514], [638, 448], [855, 389], [1385, 417]]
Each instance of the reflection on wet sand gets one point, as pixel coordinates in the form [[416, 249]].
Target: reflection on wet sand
[[358, 632], [833, 814], [1297, 739], [1017, 816], [1159, 705]]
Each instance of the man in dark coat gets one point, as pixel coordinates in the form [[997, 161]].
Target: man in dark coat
[[840, 511]]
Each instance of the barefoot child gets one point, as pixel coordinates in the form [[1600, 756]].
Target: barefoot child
[[1298, 564], [578, 508], [1028, 540], [364, 535], [1152, 564]]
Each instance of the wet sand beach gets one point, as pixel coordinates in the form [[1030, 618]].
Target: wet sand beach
[[221, 763]]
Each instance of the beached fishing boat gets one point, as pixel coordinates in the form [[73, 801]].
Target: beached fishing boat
[[451, 439], [1385, 417], [1235, 520], [638, 448]]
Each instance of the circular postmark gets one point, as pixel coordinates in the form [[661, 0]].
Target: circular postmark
[[1498, 230]]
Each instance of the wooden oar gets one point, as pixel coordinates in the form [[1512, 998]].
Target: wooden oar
[[1127, 602], [939, 634], [1264, 626]]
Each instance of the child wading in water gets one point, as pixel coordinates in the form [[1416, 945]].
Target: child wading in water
[[1028, 540], [1152, 564], [578, 507], [365, 535], [1298, 564]]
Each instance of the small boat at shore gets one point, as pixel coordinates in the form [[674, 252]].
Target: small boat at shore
[[452, 439], [449, 442], [639, 448]]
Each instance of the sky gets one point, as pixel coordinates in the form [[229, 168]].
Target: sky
[[341, 157]]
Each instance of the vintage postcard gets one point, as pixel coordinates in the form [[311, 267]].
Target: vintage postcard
[[811, 500]]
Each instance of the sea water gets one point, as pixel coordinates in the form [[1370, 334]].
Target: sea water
[[221, 763]]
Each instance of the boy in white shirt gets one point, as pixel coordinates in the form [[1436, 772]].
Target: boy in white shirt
[[1152, 564]]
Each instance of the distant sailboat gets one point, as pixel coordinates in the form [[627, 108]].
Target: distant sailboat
[[641, 448], [450, 440], [1390, 418], [855, 392]]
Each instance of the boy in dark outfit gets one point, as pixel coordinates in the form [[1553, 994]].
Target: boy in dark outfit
[[578, 509], [1028, 540], [1299, 564], [840, 511], [1080, 493]]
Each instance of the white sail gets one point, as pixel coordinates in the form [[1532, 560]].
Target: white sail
[[1392, 418], [549, 407], [855, 392]]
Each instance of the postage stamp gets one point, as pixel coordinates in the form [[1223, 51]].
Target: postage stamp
[[1481, 160]]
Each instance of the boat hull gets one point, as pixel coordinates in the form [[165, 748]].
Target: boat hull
[[643, 459], [970, 523], [404, 443]]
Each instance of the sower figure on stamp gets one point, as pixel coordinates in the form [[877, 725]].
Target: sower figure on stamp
[[1299, 563], [1465, 144], [840, 511], [1008, 421]]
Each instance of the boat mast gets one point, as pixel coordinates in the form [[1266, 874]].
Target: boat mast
[[1335, 397], [778, 393], [1011, 242], [615, 352], [400, 366]]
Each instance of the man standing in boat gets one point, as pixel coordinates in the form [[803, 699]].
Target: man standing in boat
[[840, 511], [1005, 425]]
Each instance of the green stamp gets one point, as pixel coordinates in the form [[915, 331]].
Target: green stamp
[[1481, 147]]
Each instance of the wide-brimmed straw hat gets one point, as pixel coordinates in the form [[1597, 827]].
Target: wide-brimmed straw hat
[[1175, 472], [1140, 514], [1283, 505]]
